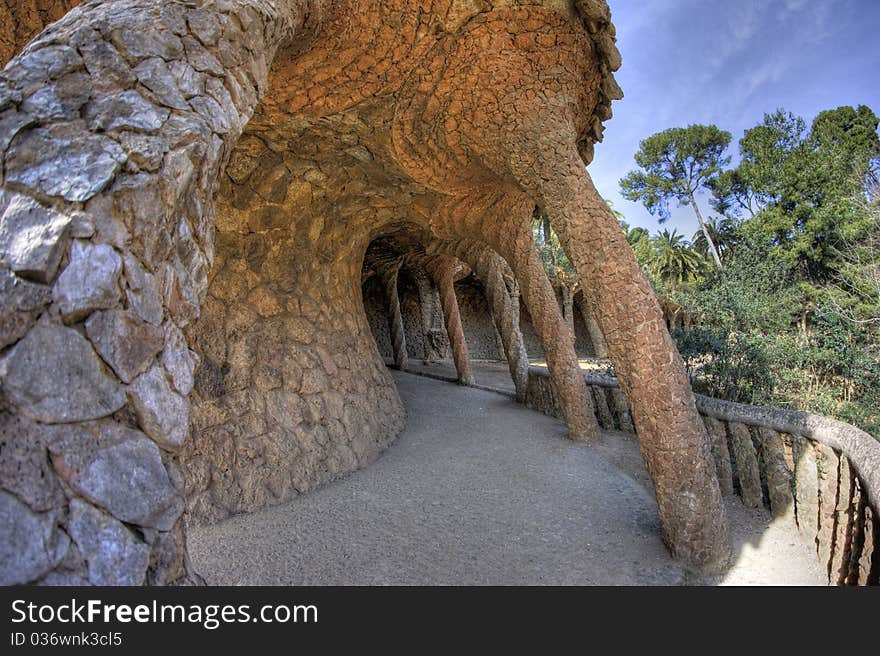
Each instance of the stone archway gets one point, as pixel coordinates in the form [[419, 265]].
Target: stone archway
[[137, 223]]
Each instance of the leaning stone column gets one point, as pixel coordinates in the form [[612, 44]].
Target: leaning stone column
[[441, 270], [514, 302], [555, 336], [503, 224], [671, 433], [542, 154], [489, 270], [600, 348], [568, 307], [395, 318], [427, 303], [499, 342], [531, 142], [488, 266]]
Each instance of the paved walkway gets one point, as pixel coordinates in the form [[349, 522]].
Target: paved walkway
[[479, 490], [488, 374]]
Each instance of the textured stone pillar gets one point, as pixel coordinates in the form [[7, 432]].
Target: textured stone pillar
[[429, 303], [556, 338], [597, 339], [489, 267], [530, 149], [395, 319], [499, 343], [538, 144], [441, 269], [672, 436], [568, 307], [515, 299], [503, 224], [513, 241], [777, 473]]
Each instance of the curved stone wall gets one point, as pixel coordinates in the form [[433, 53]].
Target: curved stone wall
[[476, 320], [375, 306], [289, 391], [108, 224], [411, 311]]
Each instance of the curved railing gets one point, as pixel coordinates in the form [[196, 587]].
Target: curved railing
[[821, 473]]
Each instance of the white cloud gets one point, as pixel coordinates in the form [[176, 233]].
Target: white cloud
[[728, 62]]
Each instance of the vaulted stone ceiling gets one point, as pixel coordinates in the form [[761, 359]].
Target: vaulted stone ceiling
[[228, 164]]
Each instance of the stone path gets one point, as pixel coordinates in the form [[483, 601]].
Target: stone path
[[479, 490], [488, 374]]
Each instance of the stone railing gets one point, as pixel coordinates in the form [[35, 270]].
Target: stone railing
[[821, 473]]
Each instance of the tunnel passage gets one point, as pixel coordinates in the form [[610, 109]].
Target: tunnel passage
[[184, 222], [422, 314]]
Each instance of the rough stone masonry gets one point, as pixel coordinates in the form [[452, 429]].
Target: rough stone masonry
[[189, 188]]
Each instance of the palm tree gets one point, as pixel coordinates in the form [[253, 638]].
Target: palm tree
[[673, 261], [556, 262], [672, 264]]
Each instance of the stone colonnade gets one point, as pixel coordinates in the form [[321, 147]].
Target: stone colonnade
[[188, 189]]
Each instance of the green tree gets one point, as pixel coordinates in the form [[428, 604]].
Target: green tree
[[677, 164], [640, 240], [556, 262], [722, 230], [770, 154], [731, 350], [733, 196], [793, 319], [673, 261], [796, 187], [854, 291]]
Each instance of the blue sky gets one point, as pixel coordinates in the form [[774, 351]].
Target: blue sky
[[728, 62]]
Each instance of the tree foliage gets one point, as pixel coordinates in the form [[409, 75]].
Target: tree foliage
[[799, 188], [793, 318], [675, 165], [672, 259]]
